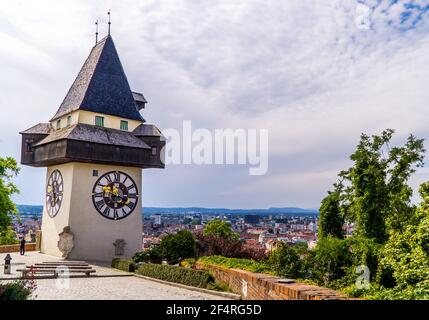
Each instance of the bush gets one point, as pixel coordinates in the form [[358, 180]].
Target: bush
[[285, 261], [175, 247], [7, 236], [152, 255], [123, 264], [406, 256], [19, 290], [235, 263], [364, 251], [232, 248], [329, 261], [189, 277], [188, 263]]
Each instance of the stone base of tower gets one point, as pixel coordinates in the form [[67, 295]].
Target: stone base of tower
[[93, 236]]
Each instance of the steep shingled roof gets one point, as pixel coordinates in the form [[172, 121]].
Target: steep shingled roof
[[101, 86], [95, 134], [147, 130], [41, 128]]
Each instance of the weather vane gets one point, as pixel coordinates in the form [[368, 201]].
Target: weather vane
[[96, 32], [108, 12]]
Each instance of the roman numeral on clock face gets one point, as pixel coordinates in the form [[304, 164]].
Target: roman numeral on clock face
[[100, 203], [117, 176]]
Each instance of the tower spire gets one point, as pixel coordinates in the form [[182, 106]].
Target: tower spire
[[96, 32], [108, 12]]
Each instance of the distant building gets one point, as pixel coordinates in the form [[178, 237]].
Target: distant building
[[251, 219], [158, 220]]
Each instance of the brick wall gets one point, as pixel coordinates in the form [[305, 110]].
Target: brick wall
[[258, 286], [15, 248]]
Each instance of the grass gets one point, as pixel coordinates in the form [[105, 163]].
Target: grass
[[235, 263]]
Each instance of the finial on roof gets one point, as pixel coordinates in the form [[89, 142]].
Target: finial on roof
[[108, 12], [96, 32]]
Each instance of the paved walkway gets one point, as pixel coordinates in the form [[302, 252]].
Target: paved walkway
[[109, 284]]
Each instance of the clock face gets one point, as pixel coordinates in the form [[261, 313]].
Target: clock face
[[115, 195], [54, 193]]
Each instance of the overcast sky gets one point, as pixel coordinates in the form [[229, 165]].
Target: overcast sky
[[309, 71]]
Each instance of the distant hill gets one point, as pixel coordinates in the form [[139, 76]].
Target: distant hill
[[29, 210], [37, 210], [273, 211]]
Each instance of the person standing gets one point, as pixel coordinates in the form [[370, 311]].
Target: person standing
[[22, 246]]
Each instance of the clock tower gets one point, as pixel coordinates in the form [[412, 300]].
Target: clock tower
[[95, 148]]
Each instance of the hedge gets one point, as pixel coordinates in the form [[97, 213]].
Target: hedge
[[189, 277], [123, 264]]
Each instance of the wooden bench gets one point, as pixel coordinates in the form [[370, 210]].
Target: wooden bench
[[60, 265], [36, 266], [55, 268], [54, 272], [63, 263]]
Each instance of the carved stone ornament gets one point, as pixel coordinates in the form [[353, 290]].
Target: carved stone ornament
[[66, 243], [119, 247]]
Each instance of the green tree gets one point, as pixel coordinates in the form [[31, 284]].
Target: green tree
[[331, 219], [378, 196], [221, 229], [8, 168], [406, 254], [178, 246]]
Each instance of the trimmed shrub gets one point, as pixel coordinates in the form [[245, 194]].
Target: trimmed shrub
[[152, 255], [123, 264], [189, 277]]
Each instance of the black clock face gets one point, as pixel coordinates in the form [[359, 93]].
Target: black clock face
[[54, 193], [115, 195]]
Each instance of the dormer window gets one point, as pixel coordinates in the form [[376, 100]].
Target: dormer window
[[59, 124], [99, 121], [69, 121], [124, 125]]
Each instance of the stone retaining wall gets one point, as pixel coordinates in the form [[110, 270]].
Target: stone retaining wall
[[257, 286], [15, 248]]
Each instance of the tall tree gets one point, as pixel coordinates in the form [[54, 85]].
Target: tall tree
[[8, 168], [378, 195], [331, 218], [178, 246], [221, 229]]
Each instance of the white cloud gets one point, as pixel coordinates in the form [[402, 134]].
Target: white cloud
[[303, 69]]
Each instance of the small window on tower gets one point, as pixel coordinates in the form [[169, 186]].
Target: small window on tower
[[58, 124], [95, 173], [99, 121], [68, 121], [29, 147], [154, 151], [124, 125]]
